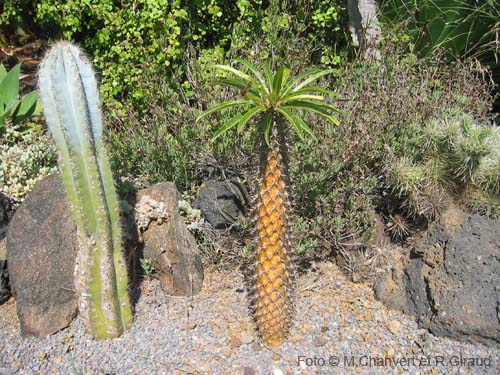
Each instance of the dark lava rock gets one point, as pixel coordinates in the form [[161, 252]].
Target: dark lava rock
[[167, 241], [5, 213], [221, 202], [451, 280], [41, 252], [4, 274]]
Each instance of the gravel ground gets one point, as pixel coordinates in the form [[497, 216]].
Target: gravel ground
[[340, 329]]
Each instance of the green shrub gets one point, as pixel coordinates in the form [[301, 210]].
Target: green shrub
[[16, 14], [150, 152], [167, 145], [124, 38], [128, 39]]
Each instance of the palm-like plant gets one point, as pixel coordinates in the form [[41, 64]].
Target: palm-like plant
[[273, 100]]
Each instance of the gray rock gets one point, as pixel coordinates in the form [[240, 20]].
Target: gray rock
[[364, 26], [451, 283], [390, 288], [41, 251], [167, 241], [221, 202]]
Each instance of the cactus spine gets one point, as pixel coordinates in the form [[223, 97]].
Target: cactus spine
[[70, 99], [272, 299]]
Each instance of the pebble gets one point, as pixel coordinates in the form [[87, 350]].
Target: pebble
[[205, 367], [249, 371], [319, 341], [234, 342], [247, 338], [394, 327], [296, 338], [227, 351]]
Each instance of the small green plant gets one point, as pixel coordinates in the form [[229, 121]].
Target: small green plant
[[147, 267], [11, 107], [192, 216], [273, 99], [68, 91]]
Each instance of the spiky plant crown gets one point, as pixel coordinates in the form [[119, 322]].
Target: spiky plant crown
[[275, 97], [268, 94]]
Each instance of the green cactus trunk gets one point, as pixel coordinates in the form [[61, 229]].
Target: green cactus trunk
[[70, 99]]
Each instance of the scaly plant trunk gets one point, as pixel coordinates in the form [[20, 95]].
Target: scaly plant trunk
[[272, 300]]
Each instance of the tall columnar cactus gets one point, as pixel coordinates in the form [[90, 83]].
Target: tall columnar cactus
[[273, 97], [70, 100]]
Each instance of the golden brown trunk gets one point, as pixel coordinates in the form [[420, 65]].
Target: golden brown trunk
[[273, 277]]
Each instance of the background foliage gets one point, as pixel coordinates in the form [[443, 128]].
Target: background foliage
[[154, 59], [131, 38]]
